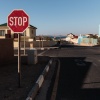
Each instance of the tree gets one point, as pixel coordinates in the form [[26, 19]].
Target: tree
[[93, 36]]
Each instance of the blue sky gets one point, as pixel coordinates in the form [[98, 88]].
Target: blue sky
[[57, 17]]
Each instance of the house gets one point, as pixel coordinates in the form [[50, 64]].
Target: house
[[71, 37], [30, 32], [88, 39]]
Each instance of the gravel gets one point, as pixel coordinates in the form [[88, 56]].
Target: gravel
[[9, 78]]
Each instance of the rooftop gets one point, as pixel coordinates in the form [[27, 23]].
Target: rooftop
[[5, 24]]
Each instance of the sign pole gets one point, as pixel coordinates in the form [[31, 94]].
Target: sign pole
[[19, 62], [24, 43], [39, 43], [42, 41]]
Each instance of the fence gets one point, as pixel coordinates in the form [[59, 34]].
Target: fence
[[36, 44]]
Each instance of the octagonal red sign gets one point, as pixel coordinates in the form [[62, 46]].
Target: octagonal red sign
[[18, 21]]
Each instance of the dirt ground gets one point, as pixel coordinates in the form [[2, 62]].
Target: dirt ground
[[9, 78]]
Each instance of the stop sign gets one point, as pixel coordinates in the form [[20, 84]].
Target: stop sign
[[18, 21]]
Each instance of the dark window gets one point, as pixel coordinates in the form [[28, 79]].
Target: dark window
[[32, 31], [2, 32]]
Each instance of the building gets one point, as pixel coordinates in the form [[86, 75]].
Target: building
[[87, 40], [99, 31], [30, 32], [72, 38]]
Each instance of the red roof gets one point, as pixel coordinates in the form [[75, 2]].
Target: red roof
[[75, 36]]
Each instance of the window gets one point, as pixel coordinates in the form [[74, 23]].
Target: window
[[8, 31], [24, 33], [32, 31], [2, 32]]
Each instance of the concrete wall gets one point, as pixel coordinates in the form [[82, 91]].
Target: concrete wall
[[2, 37], [89, 41], [36, 44], [45, 43], [6, 51]]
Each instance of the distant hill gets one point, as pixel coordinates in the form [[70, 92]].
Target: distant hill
[[57, 36]]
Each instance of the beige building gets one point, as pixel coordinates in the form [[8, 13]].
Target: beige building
[[30, 32]]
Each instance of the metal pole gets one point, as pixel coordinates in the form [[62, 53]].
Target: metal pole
[[39, 43], [19, 62], [24, 43], [42, 41]]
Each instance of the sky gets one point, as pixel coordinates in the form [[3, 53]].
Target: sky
[[57, 17]]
